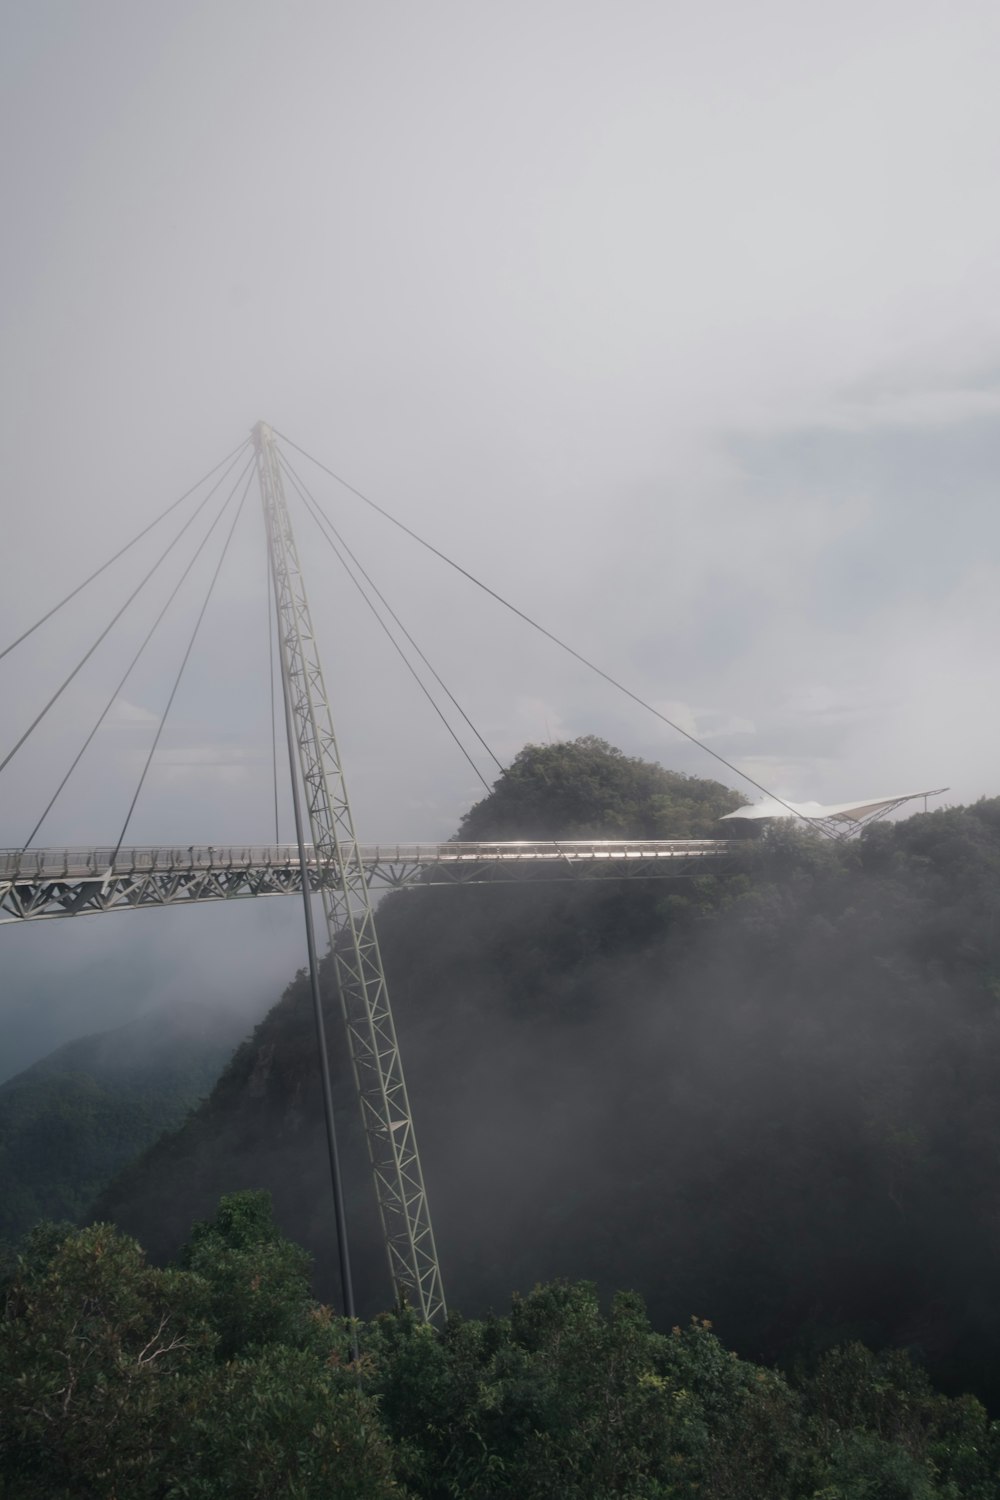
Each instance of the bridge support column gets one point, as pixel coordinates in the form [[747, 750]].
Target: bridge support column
[[347, 905]]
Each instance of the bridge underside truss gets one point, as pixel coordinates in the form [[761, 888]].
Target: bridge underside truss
[[37, 884]]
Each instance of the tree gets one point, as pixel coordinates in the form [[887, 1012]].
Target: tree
[[258, 1282], [585, 788], [282, 1423], [92, 1344], [113, 1383], [120, 1379]]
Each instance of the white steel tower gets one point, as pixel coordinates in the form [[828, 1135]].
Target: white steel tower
[[347, 904]]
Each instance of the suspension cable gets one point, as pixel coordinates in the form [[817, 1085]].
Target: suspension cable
[[556, 640], [396, 646], [116, 617], [131, 666], [301, 486], [122, 550], [184, 662]]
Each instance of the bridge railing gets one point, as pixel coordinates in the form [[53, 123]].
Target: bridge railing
[[104, 863]]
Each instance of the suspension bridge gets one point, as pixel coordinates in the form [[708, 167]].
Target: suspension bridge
[[327, 859], [45, 883]]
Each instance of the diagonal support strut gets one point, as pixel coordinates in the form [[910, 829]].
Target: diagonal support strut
[[350, 918]]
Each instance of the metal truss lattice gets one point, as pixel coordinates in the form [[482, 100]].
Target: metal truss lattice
[[350, 918]]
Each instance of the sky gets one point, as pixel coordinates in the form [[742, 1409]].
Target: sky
[[676, 324]]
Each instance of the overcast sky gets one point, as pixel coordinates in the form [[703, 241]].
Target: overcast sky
[[678, 324]]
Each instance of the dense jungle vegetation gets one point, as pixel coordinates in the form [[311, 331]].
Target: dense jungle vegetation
[[221, 1377], [70, 1122], [768, 1096]]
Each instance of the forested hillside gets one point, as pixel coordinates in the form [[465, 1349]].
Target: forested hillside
[[220, 1377], [72, 1120], [768, 1097]]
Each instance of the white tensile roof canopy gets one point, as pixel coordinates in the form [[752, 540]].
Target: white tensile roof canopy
[[851, 814]]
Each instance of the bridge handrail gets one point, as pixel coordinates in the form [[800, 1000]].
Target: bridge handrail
[[103, 863]]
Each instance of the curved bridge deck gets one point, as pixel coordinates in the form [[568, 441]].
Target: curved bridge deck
[[43, 883]]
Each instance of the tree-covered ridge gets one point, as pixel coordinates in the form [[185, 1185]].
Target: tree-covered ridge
[[221, 1377], [70, 1122], [769, 1095], [585, 788]]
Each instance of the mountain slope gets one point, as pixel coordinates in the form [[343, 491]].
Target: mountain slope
[[263, 1125], [768, 1098], [72, 1120]]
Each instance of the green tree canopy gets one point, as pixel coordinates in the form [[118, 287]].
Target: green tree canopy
[[585, 788], [222, 1379], [258, 1282], [114, 1382]]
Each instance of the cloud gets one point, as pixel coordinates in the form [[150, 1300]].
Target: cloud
[[126, 715], [202, 756], [705, 723], [859, 410], [686, 342], [208, 764], [535, 721]]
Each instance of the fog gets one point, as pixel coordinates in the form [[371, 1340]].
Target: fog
[[677, 325], [767, 1100]]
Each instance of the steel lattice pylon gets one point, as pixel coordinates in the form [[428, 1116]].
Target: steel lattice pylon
[[350, 918]]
